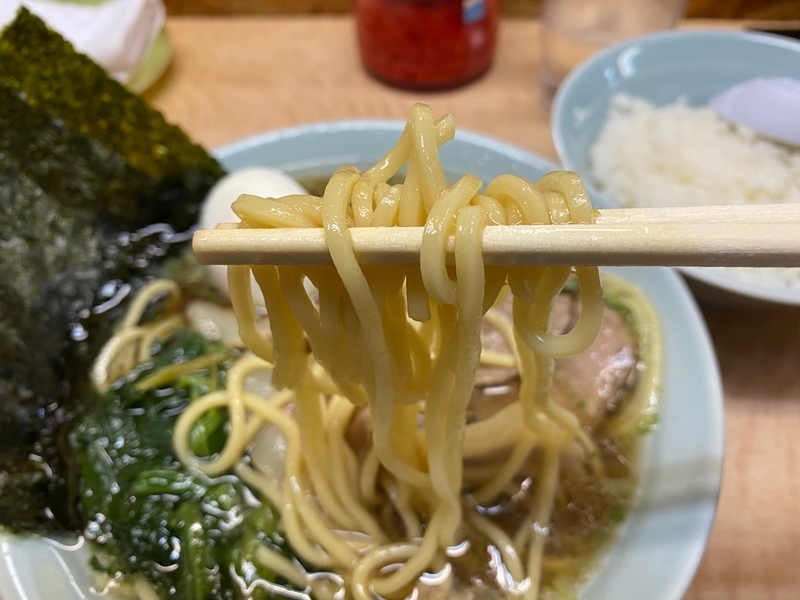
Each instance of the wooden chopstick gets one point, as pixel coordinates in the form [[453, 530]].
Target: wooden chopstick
[[742, 236]]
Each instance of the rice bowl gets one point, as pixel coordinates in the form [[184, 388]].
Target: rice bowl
[[663, 69]]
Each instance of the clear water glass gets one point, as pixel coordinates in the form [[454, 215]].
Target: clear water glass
[[572, 30]]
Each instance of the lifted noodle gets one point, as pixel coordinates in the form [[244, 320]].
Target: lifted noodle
[[406, 343]]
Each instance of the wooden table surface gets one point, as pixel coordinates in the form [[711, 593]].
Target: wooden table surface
[[234, 77]]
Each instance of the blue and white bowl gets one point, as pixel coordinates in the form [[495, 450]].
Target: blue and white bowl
[[663, 538], [663, 68]]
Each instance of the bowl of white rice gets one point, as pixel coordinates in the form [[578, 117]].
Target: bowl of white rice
[[633, 121]]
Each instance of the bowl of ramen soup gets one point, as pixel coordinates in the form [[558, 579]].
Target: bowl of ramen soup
[[650, 123], [445, 429]]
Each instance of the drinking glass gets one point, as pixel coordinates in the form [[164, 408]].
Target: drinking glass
[[572, 30]]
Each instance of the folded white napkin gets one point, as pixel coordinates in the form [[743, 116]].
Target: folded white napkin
[[116, 34]]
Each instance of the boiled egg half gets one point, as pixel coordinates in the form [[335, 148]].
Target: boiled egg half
[[258, 181]]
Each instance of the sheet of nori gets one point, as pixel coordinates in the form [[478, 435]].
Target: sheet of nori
[[93, 185], [47, 253], [67, 278], [79, 170], [45, 69]]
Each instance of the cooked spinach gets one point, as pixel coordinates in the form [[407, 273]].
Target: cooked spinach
[[147, 513]]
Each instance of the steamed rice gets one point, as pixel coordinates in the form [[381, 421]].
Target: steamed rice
[[678, 155]]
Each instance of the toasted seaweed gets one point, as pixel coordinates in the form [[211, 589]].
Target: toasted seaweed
[[67, 279], [84, 174], [45, 67], [48, 73], [45, 251], [96, 193]]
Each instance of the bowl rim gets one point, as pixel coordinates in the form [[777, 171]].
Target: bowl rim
[[682, 577], [659, 37], [507, 149], [735, 287], [693, 544]]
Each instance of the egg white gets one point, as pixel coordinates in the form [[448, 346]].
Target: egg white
[[216, 209]]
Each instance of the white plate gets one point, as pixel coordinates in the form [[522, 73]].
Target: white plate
[[661, 542]]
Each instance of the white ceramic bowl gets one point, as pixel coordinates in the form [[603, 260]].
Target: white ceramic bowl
[[661, 542], [662, 68]]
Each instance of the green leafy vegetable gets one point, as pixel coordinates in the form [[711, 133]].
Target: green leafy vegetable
[[198, 564], [147, 512]]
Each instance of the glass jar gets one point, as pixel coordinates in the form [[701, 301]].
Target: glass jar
[[427, 44]]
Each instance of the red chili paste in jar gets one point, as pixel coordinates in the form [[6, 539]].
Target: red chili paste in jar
[[427, 44]]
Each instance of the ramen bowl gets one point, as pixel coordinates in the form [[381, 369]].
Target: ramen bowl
[[659, 545], [663, 68]]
